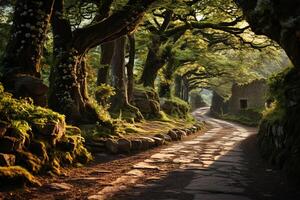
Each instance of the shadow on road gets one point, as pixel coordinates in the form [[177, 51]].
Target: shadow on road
[[240, 174]]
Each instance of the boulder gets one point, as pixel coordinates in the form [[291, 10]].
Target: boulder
[[147, 101], [68, 144], [158, 141], [188, 131], [136, 144], [29, 161], [9, 144], [16, 176], [124, 145], [29, 86], [180, 134], [51, 130], [175, 107], [111, 145], [39, 148], [7, 160], [159, 135], [172, 134], [147, 142], [167, 138]]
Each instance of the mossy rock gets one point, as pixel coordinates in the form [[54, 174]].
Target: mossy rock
[[82, 155], [29, 161], [38, 138], [147, 101], [67, 144], [9, 144], [39, 148], [175, 107], [16, 176]]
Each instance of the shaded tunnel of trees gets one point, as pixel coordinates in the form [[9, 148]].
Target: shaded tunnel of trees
[[96, 61]]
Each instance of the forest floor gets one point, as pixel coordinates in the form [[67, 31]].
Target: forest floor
[[221, 163]]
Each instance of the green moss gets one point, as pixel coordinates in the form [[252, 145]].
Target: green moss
[[16, 176], [82, 155], [103, 94], [24, 110], [275, 113], [175, 107], [30, 137], [249, 117]]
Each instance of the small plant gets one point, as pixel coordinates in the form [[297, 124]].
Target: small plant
[[103, 94]]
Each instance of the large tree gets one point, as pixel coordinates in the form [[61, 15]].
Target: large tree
[[67, 91], [21, 65]]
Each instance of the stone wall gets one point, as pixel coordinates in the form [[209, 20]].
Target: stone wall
[[253, 92], [279, 132]]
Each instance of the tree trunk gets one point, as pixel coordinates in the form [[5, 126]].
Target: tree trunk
[[120, 103], [21, 63], [24, 50], [118, 74], [165, 89], [168, 71], [153, 64], [178, 86], [68, 90], [107, 50], [185, 90], [130, 67]]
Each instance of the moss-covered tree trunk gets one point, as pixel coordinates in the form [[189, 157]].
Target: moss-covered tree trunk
[[24, 50], [68, 94], [167, 73], [68, 87], [21, 64], [107, 50], [120, 103]]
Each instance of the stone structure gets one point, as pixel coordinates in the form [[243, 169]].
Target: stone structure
[[248, 96], [244, 97]]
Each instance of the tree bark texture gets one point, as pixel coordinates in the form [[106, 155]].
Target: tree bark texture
[[130, 67], [118, 74], [21, 63], [120, 103], [68, 87], [68, 94], [178, 86], [24, 50], [154, 62], [107, 50]]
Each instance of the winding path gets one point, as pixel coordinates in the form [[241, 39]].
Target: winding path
[[221, 163]]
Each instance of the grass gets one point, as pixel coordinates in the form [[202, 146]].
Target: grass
[[142, 128], [249, 117]]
